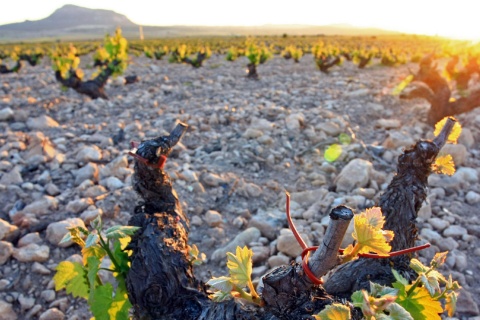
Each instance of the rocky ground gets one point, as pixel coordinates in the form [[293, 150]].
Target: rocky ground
[[63, 162]]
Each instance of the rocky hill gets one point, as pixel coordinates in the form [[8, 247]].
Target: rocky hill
[[69, 20]]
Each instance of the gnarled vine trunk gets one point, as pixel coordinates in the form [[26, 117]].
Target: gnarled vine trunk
[[431, 86], [161, 284]]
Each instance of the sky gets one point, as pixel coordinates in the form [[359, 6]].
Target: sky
[[456, 19]]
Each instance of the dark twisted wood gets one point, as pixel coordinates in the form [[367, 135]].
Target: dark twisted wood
[[400, 204]]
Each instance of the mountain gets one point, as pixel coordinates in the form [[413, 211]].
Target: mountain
[[69, 21], [72, 22]]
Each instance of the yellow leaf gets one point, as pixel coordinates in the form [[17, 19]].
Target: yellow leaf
[[369, 234], [439, 259], [451, 303], [334, 311], [454, 134], [240, 266], [374, 217], [444, 164]]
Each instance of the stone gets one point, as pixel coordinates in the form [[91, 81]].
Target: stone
[[446, 244], [466, 305], [251, 133], [40, 149], [196, 221], [467, 174], [118, 167], [438, 224], [260, 254], [269, 222], [189, 175], [472, 197], [425, 211], [43, 206], [52, 189], [397, 139], [40, 269], [330, 128], [212, 180], [466, 138], [32, 237], [262, 124], [461, 263], [12, 177], [90, 215], [454, 231], [6, 114], [7, 312], [444, 181], [6, 250], [356, 174], [457, 151], [388, 123], [26, 302], [278, 260], [288, 244], [89, 153], [41, 123], [430, 235], [57, 230], [94, 191], [213, 218], [79, 205], [294, 121], [32, 252], [7, 230], [87, 172], [52, 314], [242, 239], [48, 295], [112, 183], [309, 197]]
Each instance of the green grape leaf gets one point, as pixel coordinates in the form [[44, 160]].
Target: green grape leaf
[[117, 232], [92, 274], [221, 283], [121, 255], [334, 311], [240, 266], [419, 303], [357, 298], [92, 239], [333, 152], [73, 277], [97, 223], [401, 281], [430, 283], [418, 266], [377, 290], [120, 307], [220, 296], [396, 312], [101, 302]]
